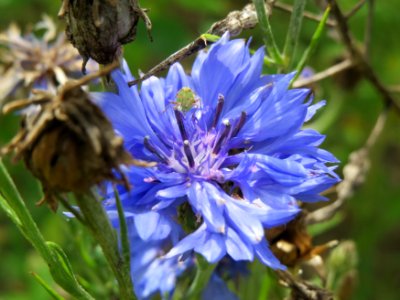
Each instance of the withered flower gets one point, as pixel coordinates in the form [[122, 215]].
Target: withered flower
[[292, 244], [37, 62], [67, 142], [98, 29]]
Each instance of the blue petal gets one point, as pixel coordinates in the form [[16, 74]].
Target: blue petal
[[313, 109], [212, 247], [188, 243], [216, 289], [146, 224], [237, 248], [202, 198], [266, 256], [247, 225], [175, 191]]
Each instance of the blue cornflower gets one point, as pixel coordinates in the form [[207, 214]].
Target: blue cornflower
[[231, 156], [151, 235]]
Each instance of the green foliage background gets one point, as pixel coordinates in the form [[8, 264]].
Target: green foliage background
[[371, 217]]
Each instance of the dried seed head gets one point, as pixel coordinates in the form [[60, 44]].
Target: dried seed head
[[292, 244], [30, 60], [99, 28], [68, 143]]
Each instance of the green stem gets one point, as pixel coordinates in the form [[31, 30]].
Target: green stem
[[52, 293], [313, 44], [292, 37], [106, 236], [268, 37], [126, 253], [23, 219], [203, 274]]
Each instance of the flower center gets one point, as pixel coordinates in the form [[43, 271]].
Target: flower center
[[201, 150]]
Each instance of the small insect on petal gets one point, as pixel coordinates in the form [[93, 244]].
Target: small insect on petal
[[185, 99]]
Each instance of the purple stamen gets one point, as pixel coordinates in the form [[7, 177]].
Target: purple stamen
[[220, 105], [240, 124], [188, 152], [148, 146], [222, 137], [181, 125]]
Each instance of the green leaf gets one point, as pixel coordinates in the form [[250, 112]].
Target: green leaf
[[293, 33], [16, 205], [52, 293], [126, 253], [100, 226], [319, 228], [8, 210], [313, 44], [258, 285], [62, 257], [203, 274], [268, 37]]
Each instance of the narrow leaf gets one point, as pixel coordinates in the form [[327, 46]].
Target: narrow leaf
[[101, 228], [126, 254], [313, 44], [268, 37], [63, 259], [293, 33], [52, 293], [30, 230], [203, 274], [8, 210]]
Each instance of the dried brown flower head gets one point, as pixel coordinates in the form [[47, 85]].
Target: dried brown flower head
[[292, 244], [98, 29], [67, 142], [38, 62]]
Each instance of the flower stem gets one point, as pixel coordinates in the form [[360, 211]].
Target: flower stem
[[126, 253], [292, 37], [106, 236], [60, 269], [203, 274], [268, 36], [313, 44]]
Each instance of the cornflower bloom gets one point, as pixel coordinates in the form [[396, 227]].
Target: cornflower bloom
[[232, 157]]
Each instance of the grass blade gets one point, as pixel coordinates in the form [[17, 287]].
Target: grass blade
[[313, 44], [293, 33]]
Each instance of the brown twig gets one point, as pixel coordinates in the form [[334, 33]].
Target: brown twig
[[308, 15], [333, 70], [394, 89], [355, 9], [359, 58], [302, 290], [235, 22], [186, 51], [354, 174]]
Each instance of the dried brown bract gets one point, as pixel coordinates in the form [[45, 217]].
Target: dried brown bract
[[98, 29], [292, 244], [67, 142]]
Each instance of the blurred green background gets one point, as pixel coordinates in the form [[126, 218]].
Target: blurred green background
[[371, 217]]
